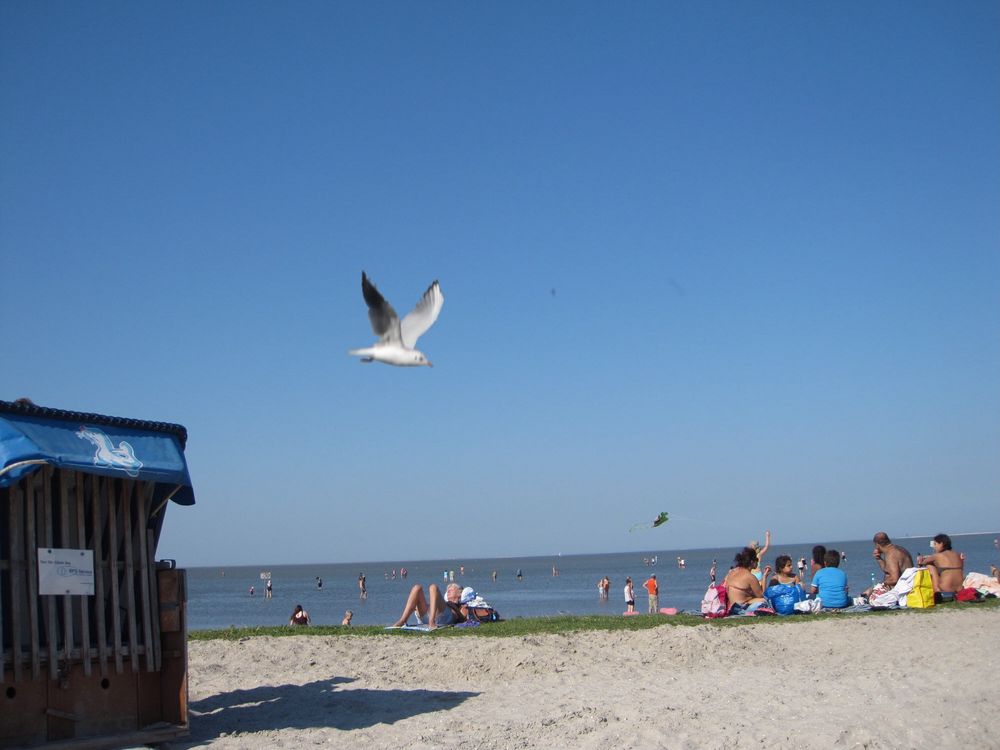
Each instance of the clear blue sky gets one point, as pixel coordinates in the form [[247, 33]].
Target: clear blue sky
[[738, 262]]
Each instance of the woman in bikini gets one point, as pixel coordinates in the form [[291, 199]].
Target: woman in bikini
[[299, 616], [946, 567], [742, 586], [760, 552]]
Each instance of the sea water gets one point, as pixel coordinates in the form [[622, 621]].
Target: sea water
[[219, 597]]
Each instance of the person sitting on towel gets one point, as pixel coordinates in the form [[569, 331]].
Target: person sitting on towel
[[436, 609], [784, 572], [742, 586], [892, 559], [945, 566], [818, 553], [830, 582]]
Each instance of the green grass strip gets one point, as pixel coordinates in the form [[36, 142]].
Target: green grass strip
[[521, 626]]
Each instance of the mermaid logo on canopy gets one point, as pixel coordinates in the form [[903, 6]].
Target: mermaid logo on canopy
[[122, 457]]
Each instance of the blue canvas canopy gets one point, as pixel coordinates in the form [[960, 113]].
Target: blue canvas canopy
[[33, 436]]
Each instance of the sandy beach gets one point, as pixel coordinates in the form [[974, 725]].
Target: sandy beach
[[912, 679]]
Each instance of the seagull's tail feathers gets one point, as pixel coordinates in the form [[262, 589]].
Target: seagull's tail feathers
[[365, 354]]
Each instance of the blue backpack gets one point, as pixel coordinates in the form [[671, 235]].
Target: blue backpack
[[784, 596]]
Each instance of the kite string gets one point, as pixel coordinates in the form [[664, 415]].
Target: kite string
[[674, 517]]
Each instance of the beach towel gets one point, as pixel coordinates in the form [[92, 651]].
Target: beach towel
[[886, 600], [905, 584], [750, 610], [896, 596], [416, 628], [663, 611], [982, 583], [852, 608]]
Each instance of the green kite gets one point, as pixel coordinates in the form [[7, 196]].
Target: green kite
[[658, 521]]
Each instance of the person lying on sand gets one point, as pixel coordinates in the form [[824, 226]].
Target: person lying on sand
[[438, 610]]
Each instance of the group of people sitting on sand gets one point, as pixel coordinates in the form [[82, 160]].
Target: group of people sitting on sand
[[747, 585]]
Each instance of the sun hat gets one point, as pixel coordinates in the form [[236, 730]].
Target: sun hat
[[468, 594]]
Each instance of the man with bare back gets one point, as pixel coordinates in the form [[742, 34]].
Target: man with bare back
[[892, 559]]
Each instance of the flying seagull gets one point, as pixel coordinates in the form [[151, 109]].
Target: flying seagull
[[397, 338]]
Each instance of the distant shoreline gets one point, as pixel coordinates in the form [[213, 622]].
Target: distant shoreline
[[454, 559]]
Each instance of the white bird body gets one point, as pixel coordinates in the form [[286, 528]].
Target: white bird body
[[391, 355], [398, 338]]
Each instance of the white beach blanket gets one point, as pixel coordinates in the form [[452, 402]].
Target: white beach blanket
[[896, 597], [982, 582]]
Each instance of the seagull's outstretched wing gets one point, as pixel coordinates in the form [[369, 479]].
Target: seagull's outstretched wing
[[421, 317], [385, 322]]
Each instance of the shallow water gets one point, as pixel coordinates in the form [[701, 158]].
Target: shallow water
[[219, 597]]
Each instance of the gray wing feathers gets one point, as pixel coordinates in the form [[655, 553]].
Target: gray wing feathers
[[385, 322], [421, 317]]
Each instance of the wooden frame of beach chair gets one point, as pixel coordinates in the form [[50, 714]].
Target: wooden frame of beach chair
[[89, 671]]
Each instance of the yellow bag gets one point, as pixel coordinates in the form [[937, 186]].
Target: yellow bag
[[922, 595]]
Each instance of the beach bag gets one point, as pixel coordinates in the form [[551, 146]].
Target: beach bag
[[483, 614], [716, 602], [921, 596], [784, 596]]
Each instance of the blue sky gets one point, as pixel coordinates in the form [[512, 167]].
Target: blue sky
[[739, 262]]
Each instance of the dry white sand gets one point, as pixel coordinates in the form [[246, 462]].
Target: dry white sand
[[907, 680]]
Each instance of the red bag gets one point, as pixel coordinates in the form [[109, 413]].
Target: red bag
[[967, 595]]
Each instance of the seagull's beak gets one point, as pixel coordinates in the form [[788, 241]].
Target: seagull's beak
[[429, 363]]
